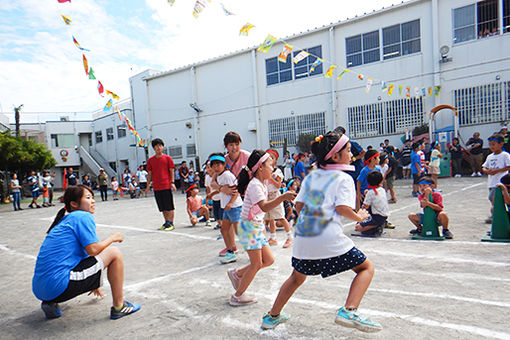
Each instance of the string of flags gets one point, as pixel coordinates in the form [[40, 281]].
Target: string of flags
[[89, 72]]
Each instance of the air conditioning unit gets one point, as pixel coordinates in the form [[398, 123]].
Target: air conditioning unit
[[252, 126]]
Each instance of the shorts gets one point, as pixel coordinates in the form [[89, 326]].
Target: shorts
[[217, 210], [277, 213], [143, 185], [234, 214], [378, 221], [434, 170], [406, 167], [251, 235], [164, 199], [421, 218], [195, 213], [389, 182], [330, 266], [35, 193], [492, 192], [416, 179], [85, 277]]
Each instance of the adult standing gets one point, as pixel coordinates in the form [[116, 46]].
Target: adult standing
[[49, 178], [475, 148], [16, 192], [72, 177], [102, 180], [184, 173], [126, 178], [506, 136], [299, 169], [142, 179], [161, 169], [456, 156], [287, 166], [33, 181], [405, 159]]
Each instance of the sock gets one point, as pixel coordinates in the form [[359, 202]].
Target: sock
[[118, 308], [289, 235], [273, 236], [274, 316], [351, 309], [230, 251]]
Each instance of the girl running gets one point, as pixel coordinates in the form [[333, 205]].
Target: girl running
[[320, 246], [251, 229]]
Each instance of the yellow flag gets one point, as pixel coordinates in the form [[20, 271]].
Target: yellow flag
[[246, 29], [342, 73], [329, 72]]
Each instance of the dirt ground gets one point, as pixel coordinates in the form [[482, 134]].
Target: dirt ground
[[456, 289]]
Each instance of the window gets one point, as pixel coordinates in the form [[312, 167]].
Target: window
[[62, 141], [99, 137], [121, 131], [109, 134], [362, 49], [401, 39], [506, 16], [290, 128], [477, 20], [302, 69], [488, 103], [175, 151], [390, 117], [113, 165], [191, 150], [278, 72]]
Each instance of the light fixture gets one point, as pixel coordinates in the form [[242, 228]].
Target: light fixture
[[498, 77], [444, 50]]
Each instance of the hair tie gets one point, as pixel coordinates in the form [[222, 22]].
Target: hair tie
[[318, 139]]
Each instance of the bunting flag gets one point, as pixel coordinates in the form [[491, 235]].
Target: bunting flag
[[114, 96], [400, 87], [171, 2], [246, 29], [199, 6], [267, 44], [91, 74], [390, 90], [85, 65], [329, 72], [384, 86], [118, 112], [66, 20], [423, 91], [343, 72], [436, 90], [416, 91], [108, 105], [315, 64], [282, 57], [360, 76], [430, 91], [100, 88], [300, 56], [78, 45], [226, 11], [62, 1], [369, 84], [408, 92]]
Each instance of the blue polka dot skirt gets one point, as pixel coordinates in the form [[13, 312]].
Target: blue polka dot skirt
[[330, 266]]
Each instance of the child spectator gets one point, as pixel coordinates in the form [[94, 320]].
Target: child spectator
[[425, 186], [456, 157], [194, 206], [183, 174], [421, 152], [435, 159], [115, 188], [134, 189], [377, 204], [371, 163], [251, 230], [320, 246], [16, 192], [496, 166], [231, 205], [142, 180], [213, 195], [390, 174], [405, 159], [86, 181], [505, 186], [416, 168], [289, 206], [46, 195], [33, 181]]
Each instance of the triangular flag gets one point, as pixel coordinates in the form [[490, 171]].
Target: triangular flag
[[436, 90], [400, 87], [300, 56], [226, 11], [408, 92], [416, 91], [390, 89], [267, 44], [430, 90], [67, 20], [384, 86], [118, 112], [91, 74], [369, 84], [246, 29], [360, 76], [114, 96], [62, 1], [423, 91], [316, 63], [282, 57], [171, 2], [329, 72], [199, 6], [342, 73], [100, 88], [107, 106], [78, 45], [85, 65]]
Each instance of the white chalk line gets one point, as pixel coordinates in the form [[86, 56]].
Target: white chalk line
[[14, 252], [459, 277], [173, 232]]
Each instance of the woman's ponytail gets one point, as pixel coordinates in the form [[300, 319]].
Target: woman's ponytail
[[57, 219]]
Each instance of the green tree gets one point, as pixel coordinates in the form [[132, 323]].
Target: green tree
[[304, 143], [21, 156]]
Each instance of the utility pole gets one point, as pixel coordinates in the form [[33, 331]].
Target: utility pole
[[16, 118]]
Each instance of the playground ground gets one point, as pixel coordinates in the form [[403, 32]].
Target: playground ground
[[457, 289]]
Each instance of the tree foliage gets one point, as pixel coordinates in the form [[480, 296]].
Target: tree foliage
[[304, 143], [21, 156]]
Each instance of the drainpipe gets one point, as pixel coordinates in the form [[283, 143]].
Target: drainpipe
[[256, 98], [332, 82], [196, 130]]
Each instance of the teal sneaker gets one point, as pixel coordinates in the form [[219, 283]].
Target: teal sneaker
[[270, 322], [229, 257], [354, 319]]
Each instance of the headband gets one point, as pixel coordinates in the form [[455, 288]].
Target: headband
[[289, 184], [273, 152], [495, 140], [217, 158], [426, 182], [256, 166], [194, 186], [368, 160], [435, 144], [337, 147]]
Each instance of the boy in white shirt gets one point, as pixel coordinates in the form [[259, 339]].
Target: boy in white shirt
[[496, 166], [376, 203]]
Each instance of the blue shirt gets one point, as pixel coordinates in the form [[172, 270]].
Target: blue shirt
[[72, 179], [415, 158], [299, 169], [62, 250], [356, 149], [34, 185], [362, 178]]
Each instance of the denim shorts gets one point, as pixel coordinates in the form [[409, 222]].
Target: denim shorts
[[492, 192], [195, 213], [234, 214]]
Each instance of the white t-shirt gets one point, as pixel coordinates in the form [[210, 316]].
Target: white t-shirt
[[270, 187], [384, 169], [115, 185], [142, 176], [422, 159], [321, 192], [499, 161], [228, 178], [434, 158], [255, 192], [378, 203], [208, 180]]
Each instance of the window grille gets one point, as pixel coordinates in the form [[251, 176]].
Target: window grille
[[99, 137], [109, 134], [191, 150], [175, 151], [121, 131], [390, 117], [290, 128]]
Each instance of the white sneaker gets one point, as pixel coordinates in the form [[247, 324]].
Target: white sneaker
[[458, 175], [242, 300], [473, 174], [479, 174]]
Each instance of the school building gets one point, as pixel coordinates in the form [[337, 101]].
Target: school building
[[461, 46]]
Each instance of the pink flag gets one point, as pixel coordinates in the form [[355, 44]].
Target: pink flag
[[100, 88]]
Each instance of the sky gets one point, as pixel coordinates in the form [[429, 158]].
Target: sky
[[41, 68]]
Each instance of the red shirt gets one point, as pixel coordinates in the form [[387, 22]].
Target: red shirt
[[194, 203], [161, 173], [242, 160], [436, 199]]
